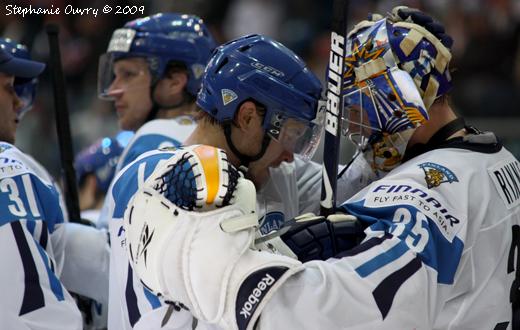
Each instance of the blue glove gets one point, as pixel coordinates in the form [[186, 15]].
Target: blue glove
[[322, 239], [413, 15]]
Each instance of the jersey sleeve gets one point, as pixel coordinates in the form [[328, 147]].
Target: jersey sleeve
[[30, 232], [394, 279], [308, 181], [145, 143], [129, 300]]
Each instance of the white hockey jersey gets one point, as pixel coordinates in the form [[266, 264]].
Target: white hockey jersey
[[293, 189], [31, 232], [441, 252], [156, 134]]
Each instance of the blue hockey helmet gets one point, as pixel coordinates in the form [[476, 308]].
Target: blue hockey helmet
[[99, 159], [255, 67], [394, 71], [16, 60], [160, 39]]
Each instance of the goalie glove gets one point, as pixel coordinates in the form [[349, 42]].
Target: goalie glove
[[203, 259]]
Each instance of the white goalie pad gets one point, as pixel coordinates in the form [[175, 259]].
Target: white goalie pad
[[203, 259]]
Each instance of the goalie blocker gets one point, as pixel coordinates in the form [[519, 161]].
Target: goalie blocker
[[174, 244]]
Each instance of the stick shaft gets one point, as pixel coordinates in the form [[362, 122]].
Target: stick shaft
[[335, 106], [62, 124]]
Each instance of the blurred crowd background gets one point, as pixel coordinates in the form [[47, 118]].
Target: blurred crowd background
[[486, 55]]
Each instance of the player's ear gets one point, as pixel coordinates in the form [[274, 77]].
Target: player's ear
[[247, 116], [176, 82]]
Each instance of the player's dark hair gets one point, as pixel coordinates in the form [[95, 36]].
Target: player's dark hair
[[203, 115], [179, 67]]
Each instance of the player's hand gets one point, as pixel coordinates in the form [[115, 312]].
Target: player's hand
[[322, 238], [413, 15]]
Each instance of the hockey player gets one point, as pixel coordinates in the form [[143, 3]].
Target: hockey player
[[297, 182], [443, 226], [152, 71], [32, 214], [259, 102], [95, 168]]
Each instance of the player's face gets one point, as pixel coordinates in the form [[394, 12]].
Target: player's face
[[276, 153], [131, 92], [9, 105]]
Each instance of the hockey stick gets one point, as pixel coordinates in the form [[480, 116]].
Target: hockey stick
[[334, 107], [70, 189]]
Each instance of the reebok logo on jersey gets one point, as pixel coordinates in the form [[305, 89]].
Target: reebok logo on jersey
[[228, 96], [258, 292], [253, 290]]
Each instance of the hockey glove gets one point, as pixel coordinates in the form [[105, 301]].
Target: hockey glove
[[413, 15], [204, 259]]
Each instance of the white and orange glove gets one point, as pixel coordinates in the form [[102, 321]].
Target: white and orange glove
[[203, 258]]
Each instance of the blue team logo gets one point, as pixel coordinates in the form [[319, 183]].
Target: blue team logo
[[4, 147], [435, 174], [272, 221], [228, 96]]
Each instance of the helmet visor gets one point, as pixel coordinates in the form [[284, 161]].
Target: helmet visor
[[299, 136], [386, 103], [117, 75]]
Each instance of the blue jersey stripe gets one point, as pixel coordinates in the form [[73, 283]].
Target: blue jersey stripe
[[154, 301], [370, 243], [382, 259], [44, 236], [53, 280], [131, 299], [30, 226], [385, 292], [33, 294]]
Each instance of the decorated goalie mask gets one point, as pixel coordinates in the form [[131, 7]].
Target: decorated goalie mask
[[393, 73]]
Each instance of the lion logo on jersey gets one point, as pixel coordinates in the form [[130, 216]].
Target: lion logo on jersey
[[436, 174]]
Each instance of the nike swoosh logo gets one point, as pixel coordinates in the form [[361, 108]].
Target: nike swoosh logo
[[326, 202]]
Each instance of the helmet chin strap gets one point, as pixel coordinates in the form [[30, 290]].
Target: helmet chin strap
[[245, 159]]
